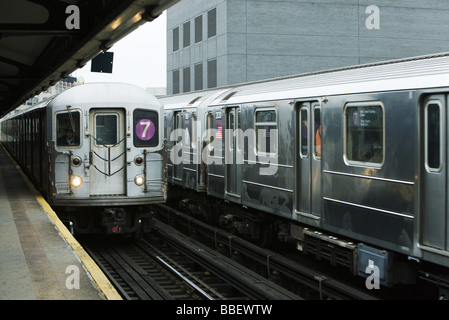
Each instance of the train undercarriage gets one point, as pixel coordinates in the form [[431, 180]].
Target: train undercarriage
[[264, 229], [129, 220]]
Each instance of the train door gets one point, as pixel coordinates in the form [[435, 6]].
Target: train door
[[308, 155], [107, 152], [233, 153], [434, 173]]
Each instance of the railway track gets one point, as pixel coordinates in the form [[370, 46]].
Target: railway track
[[301, 279], [171, 266]]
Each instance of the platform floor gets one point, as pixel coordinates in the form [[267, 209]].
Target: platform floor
[[39, 258]]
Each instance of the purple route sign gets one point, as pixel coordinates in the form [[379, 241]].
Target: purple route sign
[[145, 129]]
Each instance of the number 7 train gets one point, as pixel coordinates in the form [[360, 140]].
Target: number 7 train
[[349, 165], [96, 152]]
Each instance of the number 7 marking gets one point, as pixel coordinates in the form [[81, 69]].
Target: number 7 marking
[[147, 125]]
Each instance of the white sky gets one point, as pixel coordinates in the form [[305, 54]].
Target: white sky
[[139, 58]]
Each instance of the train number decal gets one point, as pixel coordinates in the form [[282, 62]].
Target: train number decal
[[145, 129]]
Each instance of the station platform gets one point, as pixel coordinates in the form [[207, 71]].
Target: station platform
[[39, 258]]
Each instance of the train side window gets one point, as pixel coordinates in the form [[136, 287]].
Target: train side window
[[365, 135], [193, 129], [317, 131], [209, 135], [266, 127], [68, 129], [304, 139], [433, 135]]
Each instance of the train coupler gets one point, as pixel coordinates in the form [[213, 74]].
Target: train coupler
[[114, 220]]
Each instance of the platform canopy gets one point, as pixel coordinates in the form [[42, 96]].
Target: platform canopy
[[43, 41]]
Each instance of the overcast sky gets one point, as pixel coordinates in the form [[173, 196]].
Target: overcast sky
[[139, 58]]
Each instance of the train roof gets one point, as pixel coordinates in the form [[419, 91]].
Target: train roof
[[107, 94], [403, 74], [191, 99], [430, 71]]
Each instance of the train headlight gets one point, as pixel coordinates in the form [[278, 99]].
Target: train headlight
[[76, 181], [138, 160], [139, 180]]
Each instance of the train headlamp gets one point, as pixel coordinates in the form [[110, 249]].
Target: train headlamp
[[139, 180], [76, 181]]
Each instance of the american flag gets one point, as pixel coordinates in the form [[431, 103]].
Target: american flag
[[219, 134]]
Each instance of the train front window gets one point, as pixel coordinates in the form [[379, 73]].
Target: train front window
[[364, 141], [433, 136], [106, 129], [68, 129]]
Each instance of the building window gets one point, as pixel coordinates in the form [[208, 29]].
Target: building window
[[198, 29], [176, 82], [176, 39], [199, 76], [364, 134], [186, 34], [212, 73], [186, 79], [212, 23]]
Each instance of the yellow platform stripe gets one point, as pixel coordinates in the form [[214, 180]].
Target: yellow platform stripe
[[102, 282]]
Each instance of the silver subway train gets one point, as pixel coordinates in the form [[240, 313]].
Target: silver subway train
[[350, 165], [96, 151]]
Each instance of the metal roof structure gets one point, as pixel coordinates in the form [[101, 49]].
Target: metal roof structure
[[43, 41]]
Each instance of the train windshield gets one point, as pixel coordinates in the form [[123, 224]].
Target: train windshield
[[68, 129]]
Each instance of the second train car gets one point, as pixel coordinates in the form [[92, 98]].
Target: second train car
[[96, 152], [350, 165]]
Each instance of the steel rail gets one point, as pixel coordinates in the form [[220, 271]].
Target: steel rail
[[326, 285]]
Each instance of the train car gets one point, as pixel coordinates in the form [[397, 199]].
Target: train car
[[96, 152], [350, 164]]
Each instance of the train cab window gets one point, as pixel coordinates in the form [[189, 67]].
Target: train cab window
[[364, 141], [304, 139], [266, 126], [433, 136], [68, 129]]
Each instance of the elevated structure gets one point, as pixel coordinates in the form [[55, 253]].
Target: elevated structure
[[43, 41]]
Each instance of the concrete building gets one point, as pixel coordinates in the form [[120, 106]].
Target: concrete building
[[222, 42]]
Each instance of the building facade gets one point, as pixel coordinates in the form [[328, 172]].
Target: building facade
[[214, 43]]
